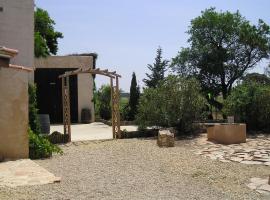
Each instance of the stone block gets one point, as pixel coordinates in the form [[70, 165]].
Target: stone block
[[165, 138], [227, 133]]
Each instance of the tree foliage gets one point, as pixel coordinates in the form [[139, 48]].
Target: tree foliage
[[223, 46], [103, 102], [157, 70], [249, 103], [258, 78], [133, 98], [46, 38], [177, 102]]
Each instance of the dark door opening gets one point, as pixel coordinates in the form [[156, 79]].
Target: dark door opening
[[49, 94]]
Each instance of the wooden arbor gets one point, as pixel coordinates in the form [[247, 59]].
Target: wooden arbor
[[114, 80]]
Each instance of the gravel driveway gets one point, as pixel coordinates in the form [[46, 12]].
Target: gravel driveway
[[138, 169]]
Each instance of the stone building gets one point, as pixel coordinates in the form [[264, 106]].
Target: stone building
[[17, 32], [17, 29], [49, 93]]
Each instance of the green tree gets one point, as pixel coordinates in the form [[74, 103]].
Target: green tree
[[157, 70], [134, 97], [46, 38], [258, 78], [249, 103], [103, 102], [177, 102], [223, 46]]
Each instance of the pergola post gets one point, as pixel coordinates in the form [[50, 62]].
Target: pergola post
[[112, 108], [117, 108], [66, 107], [114, 99]]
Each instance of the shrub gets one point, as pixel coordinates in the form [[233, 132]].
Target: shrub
[[103, 102], [40, 147], [176, 102], [124, 109], [249, 103], [33, 111]]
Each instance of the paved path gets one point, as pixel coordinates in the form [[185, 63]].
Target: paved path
[[24, 172], [93, 131], [256, 151]]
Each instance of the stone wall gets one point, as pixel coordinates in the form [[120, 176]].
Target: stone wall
[[13, 113]]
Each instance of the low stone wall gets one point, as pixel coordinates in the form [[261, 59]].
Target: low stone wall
[[122, 123], [227, 133], [139, 134]]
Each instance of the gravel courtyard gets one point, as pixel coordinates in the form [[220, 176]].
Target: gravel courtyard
[[138, 169]]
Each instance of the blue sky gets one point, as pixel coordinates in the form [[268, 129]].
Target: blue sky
[[126, 33]]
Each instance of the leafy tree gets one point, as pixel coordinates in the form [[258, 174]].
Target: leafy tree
[[223, 46], [158, 70], [249, 103], [177, 102], [103, 102], [45, 36], [134, 97], [258, 78]]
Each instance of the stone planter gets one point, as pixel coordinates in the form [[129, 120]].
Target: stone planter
[[227, 133]]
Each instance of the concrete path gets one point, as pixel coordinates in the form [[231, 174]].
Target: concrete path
[[93, 131], [24, 172]]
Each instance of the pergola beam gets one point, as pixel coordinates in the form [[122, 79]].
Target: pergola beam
[[105, 72]]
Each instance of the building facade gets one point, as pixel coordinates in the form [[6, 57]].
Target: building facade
[[17, 32], [14, 141], [49, 88], [17, 29]]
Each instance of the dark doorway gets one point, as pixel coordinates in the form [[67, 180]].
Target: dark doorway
[[49, 94]]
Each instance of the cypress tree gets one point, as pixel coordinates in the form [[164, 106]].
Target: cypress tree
[[158, 70], [134, 97]]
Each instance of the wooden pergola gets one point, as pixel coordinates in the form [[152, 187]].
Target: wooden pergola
[[114, 81]]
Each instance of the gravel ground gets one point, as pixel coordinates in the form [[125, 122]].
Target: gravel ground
[[138, 169]]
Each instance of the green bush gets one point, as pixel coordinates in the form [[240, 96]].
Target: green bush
[[40, 147], [103, 102], [250, 103], [33, 111], [176, 102], [124, 109]]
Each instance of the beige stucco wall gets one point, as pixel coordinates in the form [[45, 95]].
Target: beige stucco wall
[[13, 113], [85, 81], [17, 29], [64, 62], [85, 94]]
